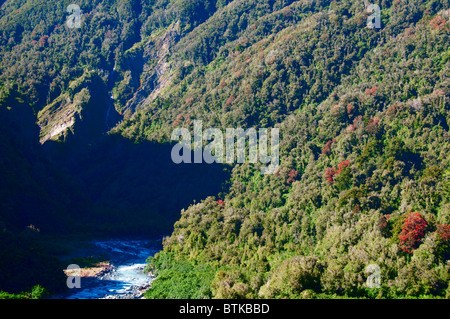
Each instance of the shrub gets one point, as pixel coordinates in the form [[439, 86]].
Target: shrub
[[293, 276]]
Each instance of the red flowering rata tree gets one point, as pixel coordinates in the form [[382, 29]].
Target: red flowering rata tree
[[413, 231]]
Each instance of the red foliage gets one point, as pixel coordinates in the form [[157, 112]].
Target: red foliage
[[342, 164], [444, 232], [372, 126], [438, 92], [221, 202], [350, 108], [372, 91], [437, 23], [413, 231], [383, 221], [383, 225], [329, 174], [43, 40], [292, 175], [350, 128], [327, 148], [230, 100], [374, 121]]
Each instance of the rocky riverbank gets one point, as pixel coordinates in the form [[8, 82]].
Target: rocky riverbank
[[96, 271], [120, 277], [130, 292]]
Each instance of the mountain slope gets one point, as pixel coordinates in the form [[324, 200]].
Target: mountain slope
[[363, 116]]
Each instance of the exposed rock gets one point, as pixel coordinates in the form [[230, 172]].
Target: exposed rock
[[158, 75]]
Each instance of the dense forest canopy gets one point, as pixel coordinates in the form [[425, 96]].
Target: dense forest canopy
[[363, 115]]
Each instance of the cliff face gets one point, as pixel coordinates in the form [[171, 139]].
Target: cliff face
[[157, 70], [81, 111], [57, 119]]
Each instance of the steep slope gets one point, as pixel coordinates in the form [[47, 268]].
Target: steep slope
[[364, 118], [363, 115]]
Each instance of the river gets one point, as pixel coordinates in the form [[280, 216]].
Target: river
[[125, 279]]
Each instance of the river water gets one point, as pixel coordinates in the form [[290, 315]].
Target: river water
[[126, 280]]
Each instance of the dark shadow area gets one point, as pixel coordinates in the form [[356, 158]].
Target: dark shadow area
[[33, 191], [93, 184], [134, 189]]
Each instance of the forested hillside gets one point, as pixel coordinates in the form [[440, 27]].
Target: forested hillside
[[87, 114]]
